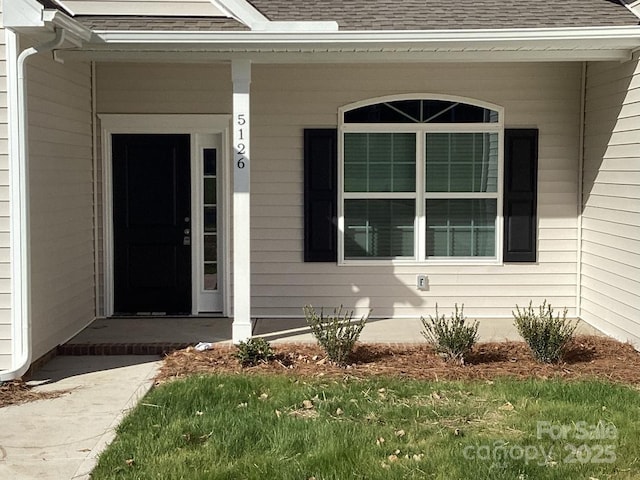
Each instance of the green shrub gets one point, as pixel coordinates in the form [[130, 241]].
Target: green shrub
[[546, 336], [452, 338], [337, 333], [254, 351]]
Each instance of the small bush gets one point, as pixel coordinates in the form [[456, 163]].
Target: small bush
[[452, 338], [337, 333], [254, 351], [546, 336]]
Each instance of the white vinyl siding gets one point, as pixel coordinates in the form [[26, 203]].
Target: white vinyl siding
[[285, 99], [610, 272], [5, 263], [61, 193]]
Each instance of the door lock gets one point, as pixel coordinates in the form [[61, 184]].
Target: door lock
[[186, 241]]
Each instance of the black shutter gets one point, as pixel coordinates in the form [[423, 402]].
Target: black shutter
[[520, 194], [320, 194]]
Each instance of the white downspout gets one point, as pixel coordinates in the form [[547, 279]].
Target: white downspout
[[19, 195]]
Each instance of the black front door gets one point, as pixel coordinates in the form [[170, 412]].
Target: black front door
[[152, 224]]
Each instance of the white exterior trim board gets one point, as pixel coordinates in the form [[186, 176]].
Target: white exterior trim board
[[349, 55], [242, 11], [379, 36], [418, 96], [632, 6], [137, 7], [246, 13], [22, 13]]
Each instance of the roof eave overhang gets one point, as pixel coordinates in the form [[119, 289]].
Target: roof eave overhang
[[30, 18], [373, 36], [597, 43]]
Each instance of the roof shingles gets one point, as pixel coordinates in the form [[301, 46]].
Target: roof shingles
[[397, 15], [129, 23], [450, 15]]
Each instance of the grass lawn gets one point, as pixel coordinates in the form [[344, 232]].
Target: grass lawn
[[278, 427]]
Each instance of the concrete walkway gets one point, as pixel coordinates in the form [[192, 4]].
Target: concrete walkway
[[125, 330], [60, 438]]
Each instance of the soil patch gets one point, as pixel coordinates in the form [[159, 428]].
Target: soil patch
[[587, 357]]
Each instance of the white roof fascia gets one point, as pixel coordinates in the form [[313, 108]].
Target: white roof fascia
[[31, 18], [247, 14], [140, 7], [583, 44], [633, 6], [373, 37], [242, 11], [22, 13]]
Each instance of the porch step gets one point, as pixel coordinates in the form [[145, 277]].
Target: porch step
[[120, 348]]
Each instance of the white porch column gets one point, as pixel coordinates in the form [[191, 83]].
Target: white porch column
[[241, 74]]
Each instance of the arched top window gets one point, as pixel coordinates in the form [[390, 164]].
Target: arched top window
[[421, 111], [421, 179]]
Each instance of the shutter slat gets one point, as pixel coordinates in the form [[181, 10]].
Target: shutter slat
[[520, 194], [320, 195]]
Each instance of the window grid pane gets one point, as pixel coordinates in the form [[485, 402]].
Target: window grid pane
[[379, 228], [461, 228], [210, 201], [379, 162], [421, 111], [457, 182], [461, 162]]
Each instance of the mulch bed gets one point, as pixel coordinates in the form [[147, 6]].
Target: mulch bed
[[587, 357], [17, 391]]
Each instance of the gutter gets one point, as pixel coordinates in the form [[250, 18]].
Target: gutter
[[75, 32], [19, 194], [372, 37]]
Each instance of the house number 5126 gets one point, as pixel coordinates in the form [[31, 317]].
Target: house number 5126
[[241, 148]]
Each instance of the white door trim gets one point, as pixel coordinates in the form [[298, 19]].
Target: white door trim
[[159, 123]]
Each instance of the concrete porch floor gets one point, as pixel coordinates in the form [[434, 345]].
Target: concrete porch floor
[[191, 330]]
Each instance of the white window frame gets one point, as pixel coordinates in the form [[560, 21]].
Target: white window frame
[[209, 301], [420, 195]]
